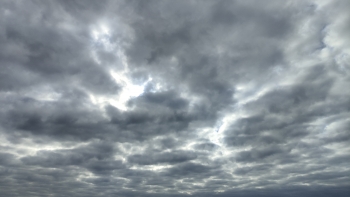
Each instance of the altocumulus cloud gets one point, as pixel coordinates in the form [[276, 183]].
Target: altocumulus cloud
[[174, 98]]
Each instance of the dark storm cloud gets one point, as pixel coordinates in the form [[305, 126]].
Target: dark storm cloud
[[174, 98]]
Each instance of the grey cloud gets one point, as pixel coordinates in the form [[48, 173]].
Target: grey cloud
[[189, 169], [255, 169], [205, 146], [171, 157], [76, 156], [174, 98], [96, 157], [256, 155], [166, 99], [47, 53]]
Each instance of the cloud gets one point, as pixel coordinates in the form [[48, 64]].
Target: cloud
[[174, 98], [166, 157]]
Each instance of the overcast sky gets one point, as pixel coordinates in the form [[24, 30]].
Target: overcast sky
[[173, 98]]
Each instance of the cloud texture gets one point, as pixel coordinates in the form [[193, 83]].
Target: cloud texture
[[174, 98]]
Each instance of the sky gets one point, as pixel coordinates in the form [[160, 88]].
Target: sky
[[161, 98]]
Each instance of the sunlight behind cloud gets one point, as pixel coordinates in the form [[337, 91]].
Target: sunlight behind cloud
[[101, 34], [129, 90]]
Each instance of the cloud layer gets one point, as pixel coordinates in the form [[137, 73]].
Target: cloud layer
[[174, 98]]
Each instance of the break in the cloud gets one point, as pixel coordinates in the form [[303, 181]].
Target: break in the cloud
[[174, 98]]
